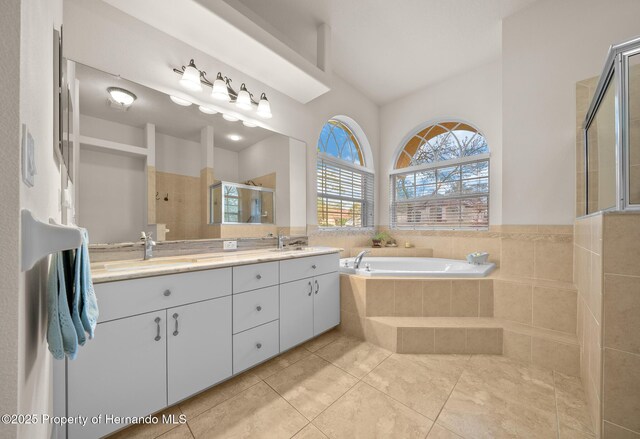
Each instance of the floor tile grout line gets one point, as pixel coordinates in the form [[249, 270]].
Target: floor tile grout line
[[227, 399], [464, 369]]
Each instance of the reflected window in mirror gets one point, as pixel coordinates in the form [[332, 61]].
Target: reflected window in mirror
[[345, 185]]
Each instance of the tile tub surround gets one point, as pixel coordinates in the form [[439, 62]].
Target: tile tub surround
[[530, 320], [347, 388], [134, 269]]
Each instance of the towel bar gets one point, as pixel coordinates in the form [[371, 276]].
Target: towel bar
[[41, 239]]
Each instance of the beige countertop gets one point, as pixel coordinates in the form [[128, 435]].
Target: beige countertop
[[137, 268]]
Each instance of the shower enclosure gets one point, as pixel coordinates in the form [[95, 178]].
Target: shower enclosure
[[612, 134], [235, 203]]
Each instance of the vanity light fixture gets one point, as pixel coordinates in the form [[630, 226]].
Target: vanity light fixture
[[229, 117], [234, 137], [122, 97], [249, 124], [193, 79], [207, 110], [264, 107], [179, 101]]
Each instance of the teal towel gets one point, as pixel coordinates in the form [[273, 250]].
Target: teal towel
[[84, 292], [61, 333]]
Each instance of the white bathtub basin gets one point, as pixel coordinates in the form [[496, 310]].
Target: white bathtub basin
[[415, 267]]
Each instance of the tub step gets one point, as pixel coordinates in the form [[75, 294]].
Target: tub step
[[475, 335]]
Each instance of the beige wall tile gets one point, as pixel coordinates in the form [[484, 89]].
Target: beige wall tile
[[612, 431], [485, 306], [622, 313], [512, 301], [351, 324], [436, 298], [622, 388], [465, 298], [450, 341], [620, 244], [516, 346], [408, 298], [380, 297], [517, 258], [465, 245], [555, 355], [555, 308], [484, 341], [417, 341], [352, 294], [553, 260]]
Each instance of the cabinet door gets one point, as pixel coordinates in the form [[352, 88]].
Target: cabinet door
[[296, 313], [326, 302], [121, 372], [199, 346]]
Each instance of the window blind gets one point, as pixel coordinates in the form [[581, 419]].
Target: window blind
[[444, 197], [345, 195]]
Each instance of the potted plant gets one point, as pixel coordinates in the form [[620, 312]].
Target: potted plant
[[379, 238]]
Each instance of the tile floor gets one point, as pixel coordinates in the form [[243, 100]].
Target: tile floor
[[339, 387]]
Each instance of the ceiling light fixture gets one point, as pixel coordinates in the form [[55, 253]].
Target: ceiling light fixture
[[122, 97], [234, 137], [192, 79], [229, 117], [249, 124], [179, 101], [207, 110]]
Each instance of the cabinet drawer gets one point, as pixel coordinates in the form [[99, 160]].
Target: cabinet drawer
[[137, 296], [254, 346], [300, 268], [254, 276], [255, 308]]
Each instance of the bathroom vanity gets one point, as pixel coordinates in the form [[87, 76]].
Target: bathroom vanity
[[170, 329]]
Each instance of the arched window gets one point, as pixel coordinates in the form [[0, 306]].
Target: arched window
[[441, 179], [345, 185]]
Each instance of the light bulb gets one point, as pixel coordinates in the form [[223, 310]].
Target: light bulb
[[207, 110], [220, 91], [264, 108], [249, 124], [179, 101], [244, 98], [191, 78]]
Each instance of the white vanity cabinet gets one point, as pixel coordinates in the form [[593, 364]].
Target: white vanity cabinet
[[311, 305], [198, 347], [121, 372]]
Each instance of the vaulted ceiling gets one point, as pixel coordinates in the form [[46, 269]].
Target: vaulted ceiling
[[387, 49]]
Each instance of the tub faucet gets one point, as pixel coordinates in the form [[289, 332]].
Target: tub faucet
[[358, 259], [148, 245]]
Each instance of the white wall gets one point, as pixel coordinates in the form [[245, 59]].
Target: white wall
[[38, 19], [109, 130], [547, 48], [112, 200], [105, 38], [225, 164], [10, 291], [474, 97], [177, 156]]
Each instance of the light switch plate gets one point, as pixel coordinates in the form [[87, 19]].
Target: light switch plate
[[28, 157], [230, 245]]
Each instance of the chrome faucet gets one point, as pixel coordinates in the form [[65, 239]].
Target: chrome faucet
[[281, 239], [148, 245], [358, 259]]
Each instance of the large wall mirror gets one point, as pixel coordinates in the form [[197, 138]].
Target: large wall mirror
[[149, 162]]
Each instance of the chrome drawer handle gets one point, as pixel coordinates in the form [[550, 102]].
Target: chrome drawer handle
[[314, 266], [167, 293], [317, 287], [310, 289], [259, 308], [175, 316], [259, 276], [259, 345], [157, 320]]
